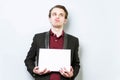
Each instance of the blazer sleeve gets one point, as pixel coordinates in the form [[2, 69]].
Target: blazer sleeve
[[76, 60], [31, 56]]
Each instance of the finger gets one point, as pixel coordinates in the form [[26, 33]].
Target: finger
[[61, 71], [65, 70], [35, 70], [44, 71], [71, 69], [41, 71], [47, 71], [66, 74], [68, 71]]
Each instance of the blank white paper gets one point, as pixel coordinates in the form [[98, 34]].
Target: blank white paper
[[54, 59]]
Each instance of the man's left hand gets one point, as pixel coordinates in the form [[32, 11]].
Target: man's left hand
[[65, 73]]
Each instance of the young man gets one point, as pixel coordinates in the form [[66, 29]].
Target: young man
[[56, 38]]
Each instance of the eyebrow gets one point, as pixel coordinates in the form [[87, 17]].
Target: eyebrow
[[60, 13]]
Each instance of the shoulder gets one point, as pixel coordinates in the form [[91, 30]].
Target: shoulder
[[72, 40], [40, 35], [71, 37]]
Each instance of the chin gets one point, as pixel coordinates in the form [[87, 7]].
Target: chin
[[57, 26]]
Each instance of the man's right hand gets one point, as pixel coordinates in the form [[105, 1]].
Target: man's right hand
[[40, 72]]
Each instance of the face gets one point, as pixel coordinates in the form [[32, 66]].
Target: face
[[57, 18]]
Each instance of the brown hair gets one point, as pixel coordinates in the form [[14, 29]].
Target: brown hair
[[61, 7]]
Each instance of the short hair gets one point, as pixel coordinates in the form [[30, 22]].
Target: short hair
[[61, 7]]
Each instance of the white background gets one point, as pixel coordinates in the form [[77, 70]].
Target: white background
[[95, 22]]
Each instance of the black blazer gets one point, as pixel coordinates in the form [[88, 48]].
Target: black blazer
[[41, 40]]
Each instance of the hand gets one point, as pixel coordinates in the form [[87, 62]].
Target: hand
[[40, 72], [65, 73]]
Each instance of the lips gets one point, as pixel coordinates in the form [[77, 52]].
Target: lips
[[57, 20]]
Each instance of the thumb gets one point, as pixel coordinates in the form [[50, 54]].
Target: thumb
[[36, 68]]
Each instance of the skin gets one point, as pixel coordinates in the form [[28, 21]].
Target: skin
[[57, 21]]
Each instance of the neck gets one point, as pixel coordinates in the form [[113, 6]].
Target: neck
[[57, 31]]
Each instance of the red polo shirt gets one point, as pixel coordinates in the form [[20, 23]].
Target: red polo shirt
[[56, 43]]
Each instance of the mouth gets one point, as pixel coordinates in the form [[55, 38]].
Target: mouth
[[57, 20]]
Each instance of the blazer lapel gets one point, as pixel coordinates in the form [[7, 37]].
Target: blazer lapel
[[47, 40], [65, 41]]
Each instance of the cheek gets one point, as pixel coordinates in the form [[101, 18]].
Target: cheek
[[51, 20], [65, 21]]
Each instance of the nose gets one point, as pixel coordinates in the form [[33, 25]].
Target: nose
[[57, 16]]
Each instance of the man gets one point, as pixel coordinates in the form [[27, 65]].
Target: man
[[56, 38]]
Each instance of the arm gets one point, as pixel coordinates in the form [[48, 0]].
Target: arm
[[30, 58], [74, 64], [76, 60]]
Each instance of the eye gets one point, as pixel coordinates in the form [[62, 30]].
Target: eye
[[61, 15], [54, 14]]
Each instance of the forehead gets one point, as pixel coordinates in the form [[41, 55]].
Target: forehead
[[58, 10]]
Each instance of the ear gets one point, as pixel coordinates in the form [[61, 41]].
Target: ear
[[65, 21], [50, 19]]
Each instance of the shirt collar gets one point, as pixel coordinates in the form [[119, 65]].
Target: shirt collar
[[52, 34]]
